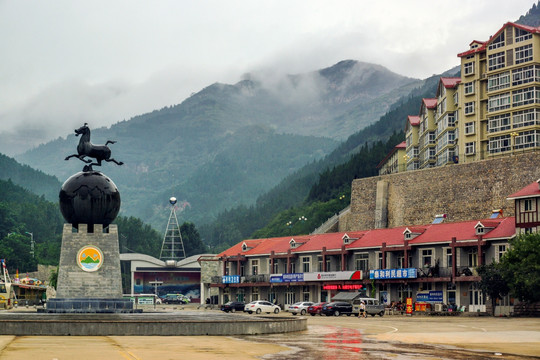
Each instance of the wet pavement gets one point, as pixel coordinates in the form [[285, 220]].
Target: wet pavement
[[328, 338]]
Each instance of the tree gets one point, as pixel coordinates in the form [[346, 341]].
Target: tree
[[192, 240], [493, 283], [15, 248], [521, 267]]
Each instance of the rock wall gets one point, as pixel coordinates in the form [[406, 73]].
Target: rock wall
[[462, 191]]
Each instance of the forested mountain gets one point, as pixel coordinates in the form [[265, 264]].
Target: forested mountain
[[227, 144], [320, 189], [25, 216], [29, 178], [532, 18]]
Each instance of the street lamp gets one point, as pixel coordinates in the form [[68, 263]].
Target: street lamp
[[302, 218], [513, 135], [31, 243]]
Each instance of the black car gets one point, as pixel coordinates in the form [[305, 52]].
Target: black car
[[337, 308], [233, 306]]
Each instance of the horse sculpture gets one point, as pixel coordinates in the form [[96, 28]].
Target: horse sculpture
[[86, 148]]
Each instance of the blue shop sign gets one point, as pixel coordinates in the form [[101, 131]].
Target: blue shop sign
[[383, 274], [230, 279], [431, 296], [293, 277], [276, 278]]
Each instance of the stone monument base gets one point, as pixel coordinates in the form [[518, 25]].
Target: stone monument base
[[112, 306]]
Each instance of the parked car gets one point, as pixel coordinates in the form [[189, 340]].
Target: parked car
[[260, 306], [175, 299], [337, 308], [373, 306], [315, 309], [233, 306], [299, 307]]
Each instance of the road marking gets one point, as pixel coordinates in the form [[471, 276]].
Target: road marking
[[473, 327]]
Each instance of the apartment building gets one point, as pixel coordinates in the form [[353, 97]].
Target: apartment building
[[492, 110], [394, 161], [500, 94]]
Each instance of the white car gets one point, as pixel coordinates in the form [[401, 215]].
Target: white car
[[260, 306], [299, 307]]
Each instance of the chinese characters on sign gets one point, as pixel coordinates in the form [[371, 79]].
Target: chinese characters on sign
[[409, 273], [230, 279]]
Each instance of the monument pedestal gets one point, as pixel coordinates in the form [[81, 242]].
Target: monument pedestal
[[89, 275]]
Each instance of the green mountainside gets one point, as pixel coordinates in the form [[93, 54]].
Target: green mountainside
[[322, 188], [29, 178], [227, 144]]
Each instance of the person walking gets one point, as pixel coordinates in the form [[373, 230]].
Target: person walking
[[362, 310]]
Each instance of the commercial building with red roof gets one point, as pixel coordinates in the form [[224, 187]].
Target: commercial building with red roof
[[432, 263]]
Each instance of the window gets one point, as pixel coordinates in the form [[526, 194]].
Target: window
[[319, 261], [469, 88], [499, 81], [276, 266], [525, 118], [499, 102], [404, 292], [400, 261], [499, 251], [469, 148], [497, 42], [499, 144], [527, 205], [524, 54], [290, 297], [456, 98], [254, 267], [427, 257], [526, 96], [328, 264], [293, 267], [496, 61], [522, 35], [362, 261], [448, 254], [468, 68], [527, 139], [526, 75], [469, 128], [380, 257], [305, 293], [469, 108], [306, 264], [499, 123], [254, 294], [473, 258]]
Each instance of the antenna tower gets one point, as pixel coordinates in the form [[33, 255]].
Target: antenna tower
[[173, 246]]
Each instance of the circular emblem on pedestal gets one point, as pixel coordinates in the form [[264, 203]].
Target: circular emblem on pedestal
[[90, 258]]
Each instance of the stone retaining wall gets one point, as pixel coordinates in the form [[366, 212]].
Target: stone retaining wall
[[462, 191]]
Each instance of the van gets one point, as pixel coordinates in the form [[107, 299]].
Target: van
[[373, 307]]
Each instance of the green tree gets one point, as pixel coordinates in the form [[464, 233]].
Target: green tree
[[15, 248], [493, 283], [521, 264], [191, 238]]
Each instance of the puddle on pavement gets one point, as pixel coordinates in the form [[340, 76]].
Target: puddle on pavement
[[336, 343]]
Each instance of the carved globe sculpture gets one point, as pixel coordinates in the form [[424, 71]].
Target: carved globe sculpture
[[89, 197]]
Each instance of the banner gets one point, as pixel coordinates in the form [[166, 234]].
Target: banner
[[230, 279], [409, 273]]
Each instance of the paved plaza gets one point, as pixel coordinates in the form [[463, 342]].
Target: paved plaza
[[389, 337]]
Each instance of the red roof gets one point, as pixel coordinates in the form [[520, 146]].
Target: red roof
[[414, 120], [531, 190], [450, 82], [430, 103], [483, 45]]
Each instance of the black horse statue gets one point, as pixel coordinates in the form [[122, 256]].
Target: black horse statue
[[86, 148]]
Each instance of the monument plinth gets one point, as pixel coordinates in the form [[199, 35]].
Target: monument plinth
[[89, 276]]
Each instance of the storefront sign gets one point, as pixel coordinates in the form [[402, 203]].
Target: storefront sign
[[280, 278], [342, 287], [409, 306], [335, 275], [230, 279], [431, 296], [409, 273]]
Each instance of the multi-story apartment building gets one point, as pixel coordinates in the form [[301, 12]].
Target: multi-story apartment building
[[394, 161], [435, 262], [412, 128], [501, 93], [446, 120], [427, 132]]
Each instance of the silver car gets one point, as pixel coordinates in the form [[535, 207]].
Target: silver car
[[260, 306], [299, 307]]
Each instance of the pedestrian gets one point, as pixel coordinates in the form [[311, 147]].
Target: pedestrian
[[362, 310]]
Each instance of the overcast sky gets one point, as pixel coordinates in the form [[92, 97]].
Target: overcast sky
[[63, 63]]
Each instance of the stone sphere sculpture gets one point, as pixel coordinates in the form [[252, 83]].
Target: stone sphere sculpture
[[89, 197]]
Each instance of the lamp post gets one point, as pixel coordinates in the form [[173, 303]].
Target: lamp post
[[31, 242], [513, 135]]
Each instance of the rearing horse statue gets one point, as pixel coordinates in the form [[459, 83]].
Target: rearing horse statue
[[86, 148]]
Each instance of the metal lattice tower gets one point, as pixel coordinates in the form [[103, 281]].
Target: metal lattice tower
[[173, 246]]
